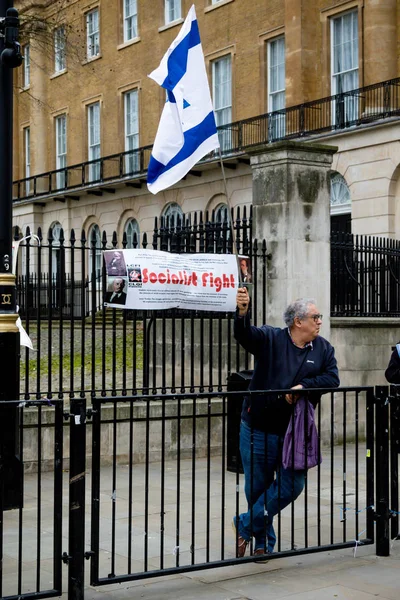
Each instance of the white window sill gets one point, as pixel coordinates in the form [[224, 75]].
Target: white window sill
[[91, 59], [214, 6], [128, 43], [170, 25], [24, 89], [58, 74]]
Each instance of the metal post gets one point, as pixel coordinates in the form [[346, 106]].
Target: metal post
[[77, 466], [9, 334], [382, 513]]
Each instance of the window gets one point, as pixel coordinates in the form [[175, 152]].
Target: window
[[132, 232], [344, 53], [172, 10], [94, 140], [276, 87], [172, 215], [55, 250], [27, 154], [95, 252], [59, 50], [131, 131], [61, 150], [130, 20], [221, 216], [340, 194], [222, 95], [340, 205], [93, 33], [27, 66]]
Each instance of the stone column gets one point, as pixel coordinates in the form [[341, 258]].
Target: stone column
[[291, 211]]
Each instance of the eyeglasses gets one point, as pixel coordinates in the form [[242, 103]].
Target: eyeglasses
[[317, 317]]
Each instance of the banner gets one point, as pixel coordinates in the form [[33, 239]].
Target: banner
[[155, 280]]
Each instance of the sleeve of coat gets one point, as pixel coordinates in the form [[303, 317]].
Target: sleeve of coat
[[392, 372], [249, 337], [329, 376]]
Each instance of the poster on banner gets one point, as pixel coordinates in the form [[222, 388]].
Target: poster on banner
[[156, 280]]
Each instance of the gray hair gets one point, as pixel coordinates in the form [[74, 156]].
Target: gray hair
[[299, 308]]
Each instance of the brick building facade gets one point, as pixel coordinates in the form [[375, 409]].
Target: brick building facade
[[83, 94]]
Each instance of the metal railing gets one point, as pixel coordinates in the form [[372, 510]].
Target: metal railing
[[365, 276], [162, 499], [82, 346], [333, 113]]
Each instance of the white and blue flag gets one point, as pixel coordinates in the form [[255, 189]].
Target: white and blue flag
[[187, 129]]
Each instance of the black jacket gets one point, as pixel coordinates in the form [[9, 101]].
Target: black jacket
[[392, 373], [278, 365]]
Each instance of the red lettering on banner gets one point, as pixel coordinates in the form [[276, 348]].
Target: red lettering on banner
[[183, 278]]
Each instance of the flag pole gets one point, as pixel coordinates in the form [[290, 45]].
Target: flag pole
[[232, 228]]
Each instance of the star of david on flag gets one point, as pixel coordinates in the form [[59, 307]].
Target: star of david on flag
[[187, 129]]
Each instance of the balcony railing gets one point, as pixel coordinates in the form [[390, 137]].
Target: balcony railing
[[334, 113]]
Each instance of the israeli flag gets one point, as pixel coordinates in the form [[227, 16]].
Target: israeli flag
[[187, 129]]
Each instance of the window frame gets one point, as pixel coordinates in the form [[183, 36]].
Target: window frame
[[131, 160], [98, 253], [26, 71], [55, 249], [130, 21], [171, 212], [91, 35], [339, 207], [61, 157], [279, 91], [223, 114], [226, 107], [177, 8], [132, 224], [348, 109], [94, 146], [60, 56], [27, 158]]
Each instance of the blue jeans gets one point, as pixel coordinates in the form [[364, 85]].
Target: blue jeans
[[266, 494]]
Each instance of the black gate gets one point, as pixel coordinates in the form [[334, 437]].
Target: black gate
[[167, 482], [162, 498], [31, 536]]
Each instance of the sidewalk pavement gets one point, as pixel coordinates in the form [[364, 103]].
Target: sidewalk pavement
[[336, 575]]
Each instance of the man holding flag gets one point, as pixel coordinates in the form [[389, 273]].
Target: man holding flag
[[187, 129]]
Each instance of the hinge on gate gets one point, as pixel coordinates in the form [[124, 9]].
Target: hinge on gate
[[88, 555], [388, 514], [90, 412], [66, 558]]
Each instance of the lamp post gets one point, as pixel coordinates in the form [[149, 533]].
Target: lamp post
[[10, 464]]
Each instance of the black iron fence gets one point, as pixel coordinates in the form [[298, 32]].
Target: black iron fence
[[333, 113], [162, 499], [394, 441], [82, 346], [31, 535], [365, 276]]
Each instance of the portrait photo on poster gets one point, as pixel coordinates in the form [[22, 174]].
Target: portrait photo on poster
[[245, 272], [115, 263], [116, 290]]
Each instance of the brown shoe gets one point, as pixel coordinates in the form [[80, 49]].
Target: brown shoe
[[241, 542], [261, 552]]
